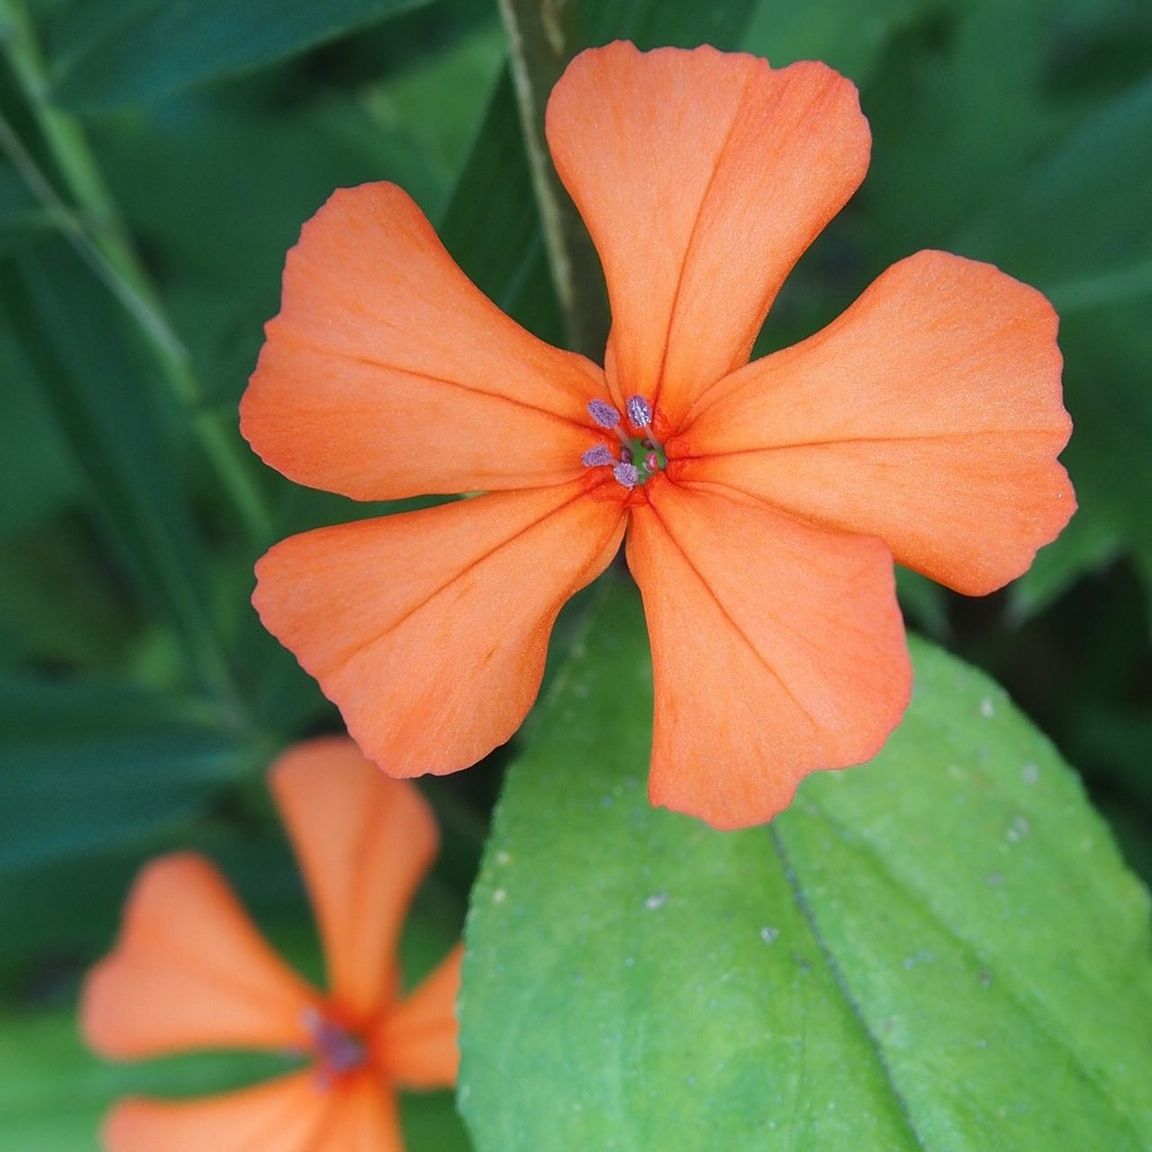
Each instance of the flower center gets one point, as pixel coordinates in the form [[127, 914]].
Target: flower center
[[336, 1051], [640, 454]]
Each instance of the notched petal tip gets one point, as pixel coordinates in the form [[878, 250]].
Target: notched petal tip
[[364, 842], [164, 989], [795, 660], [437, 665], [929, 415], [388, 374], [702, 177]]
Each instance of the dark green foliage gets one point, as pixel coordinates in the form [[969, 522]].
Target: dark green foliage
[[156, 161]]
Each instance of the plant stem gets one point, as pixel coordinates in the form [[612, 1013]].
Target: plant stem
[[96, 230], [541, 41]]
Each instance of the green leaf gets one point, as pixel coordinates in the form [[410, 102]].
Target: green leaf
[[111, 53], [491, 225], [432, 1124], [19, 209], [1095, 264], [53, 1092], [939, 950], [35, 473], [53, 619], [89, 767], [923, 601], [838, 32], [120, 437], [1041, 230]]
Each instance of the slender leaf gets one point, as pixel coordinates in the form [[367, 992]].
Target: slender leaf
[[108, 53], [90, 767], [102, 401], [939, 950], [36, 476]]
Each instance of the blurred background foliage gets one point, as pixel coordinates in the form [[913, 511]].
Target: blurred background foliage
[[157, 159]]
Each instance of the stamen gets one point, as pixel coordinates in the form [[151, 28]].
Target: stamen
[[640, 455], [626, 474], [603, 413], [639, 412], [596, 457]]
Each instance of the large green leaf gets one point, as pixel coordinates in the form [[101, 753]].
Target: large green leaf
[[109, 53], [940, 950], [90, 767]]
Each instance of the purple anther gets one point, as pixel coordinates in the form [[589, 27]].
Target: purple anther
[[603, 413], [596, 457], [625, 455], [626, 474], [652, 462], [639, 412], [336, 1051]]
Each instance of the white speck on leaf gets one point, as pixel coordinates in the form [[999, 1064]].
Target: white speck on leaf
[[656, 900], [769, 934], [1018, 829], [987, 708]]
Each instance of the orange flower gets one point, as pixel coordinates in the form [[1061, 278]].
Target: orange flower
[[764, 502], [190, 971]]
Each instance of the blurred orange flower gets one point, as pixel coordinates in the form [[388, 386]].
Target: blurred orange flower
[[190, 971], [764, 502]]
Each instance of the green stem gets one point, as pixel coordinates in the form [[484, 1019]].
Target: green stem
[[98, 232], [541, 41]]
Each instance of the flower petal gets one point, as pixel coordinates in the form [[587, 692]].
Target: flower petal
[[284, 1115], [702, 177], [417, 1042], [388, 373], [929, 414], [777, 649], [190, 971], [429, 629], [365, 1119], [364, 842]]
